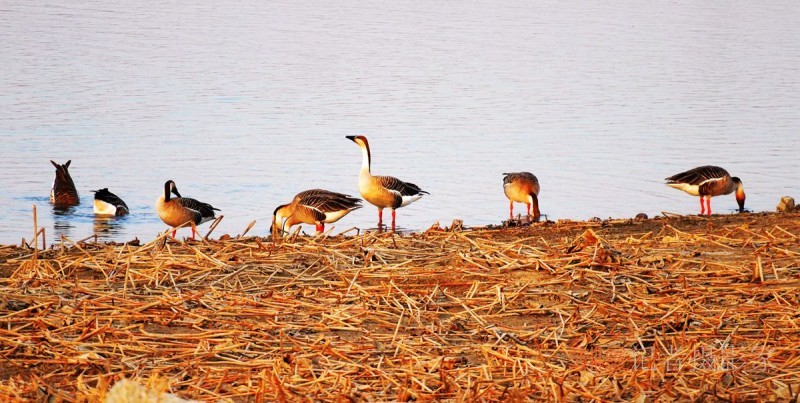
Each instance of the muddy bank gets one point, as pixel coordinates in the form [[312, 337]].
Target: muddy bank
[[680, 307]]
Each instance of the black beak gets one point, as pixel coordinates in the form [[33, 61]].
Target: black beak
[[175, 192], [351, 138]]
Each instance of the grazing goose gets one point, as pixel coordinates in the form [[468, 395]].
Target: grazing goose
[[63, 193], [181, 211], [383, 191], [107, 203], [522, 187], [315, 206], [708, 181]]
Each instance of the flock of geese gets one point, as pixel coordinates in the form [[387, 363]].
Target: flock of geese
[[320, 207]]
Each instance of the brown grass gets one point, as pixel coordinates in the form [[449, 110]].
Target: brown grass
[[675, 308]]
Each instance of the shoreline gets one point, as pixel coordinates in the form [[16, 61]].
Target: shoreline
[[684, 307]]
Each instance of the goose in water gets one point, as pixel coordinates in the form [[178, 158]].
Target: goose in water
[[63, 193], [107, 203]]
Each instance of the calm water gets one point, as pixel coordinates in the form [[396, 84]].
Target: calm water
[[245, 104]]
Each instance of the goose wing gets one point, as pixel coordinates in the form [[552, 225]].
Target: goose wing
[[110, 198], [320, 192], [699, 175], [317, 214], [511, 177], [397, 186], [204, 209], [322, 204]]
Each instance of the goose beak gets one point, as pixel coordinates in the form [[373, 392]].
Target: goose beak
[[351, 138]]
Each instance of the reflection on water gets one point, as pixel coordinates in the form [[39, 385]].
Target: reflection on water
[[109, 227], [63, 221], [66, 221]]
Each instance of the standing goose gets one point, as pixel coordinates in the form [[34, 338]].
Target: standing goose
[[63, 193], [315, 206], [107, 203], [522, 187], [383, 191], [708, 181], [181, 211]]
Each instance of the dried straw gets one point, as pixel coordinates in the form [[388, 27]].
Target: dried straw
[[671, 308]]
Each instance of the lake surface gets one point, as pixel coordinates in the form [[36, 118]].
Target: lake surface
[[246, 103]]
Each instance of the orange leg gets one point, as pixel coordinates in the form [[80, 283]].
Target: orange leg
[[321, 228], [528, 208], [708, 204], [702, 206], [511, 210], [393, 217], [174, 231], [380, 218], [193, 232]]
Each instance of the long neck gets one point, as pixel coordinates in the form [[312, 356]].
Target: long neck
[[166, 192], [365, 158], [739, 190], [732, 186], [285, 220]]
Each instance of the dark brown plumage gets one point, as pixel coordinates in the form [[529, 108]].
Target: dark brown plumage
[[63, 193], [180, 211], [314, 206], [708, 181]]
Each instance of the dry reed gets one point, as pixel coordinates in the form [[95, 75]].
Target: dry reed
[[673, 308]]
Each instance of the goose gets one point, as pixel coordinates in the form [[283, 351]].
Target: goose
[[63, 192], [314, 206], [383, 191], [107, 203], [708, 181], [181, 211], [522, 187]]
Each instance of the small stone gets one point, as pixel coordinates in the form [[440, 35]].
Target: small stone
[[786, 204], [641, 217]]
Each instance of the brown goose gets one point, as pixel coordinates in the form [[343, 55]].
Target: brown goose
[[314, 206], [708, 181], [63, 193], [383, 191], [522, 187], [107, 203], [182, 211]]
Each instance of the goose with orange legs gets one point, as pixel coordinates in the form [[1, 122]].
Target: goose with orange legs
[[383, 191], [182, 211], [522, 187], [314, 206], [708, 181]]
